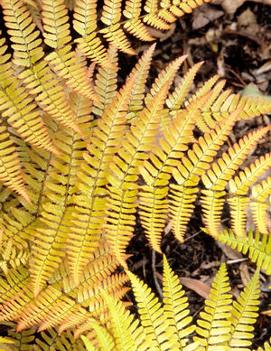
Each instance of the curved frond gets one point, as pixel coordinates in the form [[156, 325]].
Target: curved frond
[[259, 204], [152, 316], [216, 178], [214, 326], [244, 315], [176, 307], [239, 187], [256, 245]]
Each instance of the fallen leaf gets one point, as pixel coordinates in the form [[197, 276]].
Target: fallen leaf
[[205, 15], [196, 285], [244, 273]]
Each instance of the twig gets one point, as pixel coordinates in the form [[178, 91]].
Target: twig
[[157, 285]]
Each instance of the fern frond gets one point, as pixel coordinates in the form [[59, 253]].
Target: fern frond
[[12, 257], [105, 138], [18, 108], [85, 23], [239, 186], [179, 95], [23, 34], [90, 346], [55, 218], [267, 347], [152, 316], [111, 16], [23, 341], [37, 310], [128, 335], [38, 78], [136, 103], [214, 326], [15, 279], [10, 169], [222, 325], [67, 63], [176, 307], [215, 180], [256, 245], [106, 83], [50, 339], [157, 170], [189, 172], [259, 204], [244, 315], [123, 190], [56, 28], [254, 106], [118, 20]]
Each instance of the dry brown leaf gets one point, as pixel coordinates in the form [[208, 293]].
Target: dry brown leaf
[[205, 15], [244, 273], [196, 285]]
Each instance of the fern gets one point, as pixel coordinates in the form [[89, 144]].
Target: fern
[[223, 325], [82, 159], [132, 19], [91, 186], [256, 245]]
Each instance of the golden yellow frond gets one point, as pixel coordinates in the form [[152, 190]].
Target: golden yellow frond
[[214, 325], [176, 307], [259, 205], [244, 315], [256, 245], [216, 178]]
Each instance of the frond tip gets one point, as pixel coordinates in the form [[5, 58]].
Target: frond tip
[[222, 325]]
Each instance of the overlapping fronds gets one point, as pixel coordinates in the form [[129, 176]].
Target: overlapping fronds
[[255, 244], [120, 18], [45, 341], [220, 173], [111, 21], [61, 304], [259, 205], [223, 325], [140, 155], [82, 160]]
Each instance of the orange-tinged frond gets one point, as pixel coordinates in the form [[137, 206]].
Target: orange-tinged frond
[[259, 205], [88, 216], [179, 95], [55, 218], [11, 173], [239, 187], [189, 171], [157, 171], [216, 178], [67, 63], [23, 33], [166, 76], [142, 68], [106, 83], [123, 189], [44, 86], [55, 23]]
